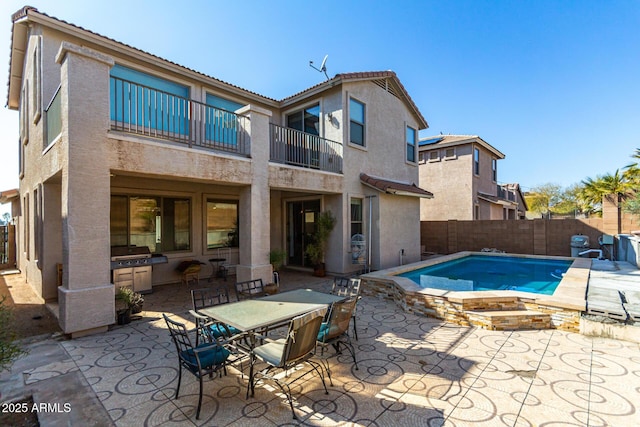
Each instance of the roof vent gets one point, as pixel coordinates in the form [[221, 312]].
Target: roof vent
[[387, 85]]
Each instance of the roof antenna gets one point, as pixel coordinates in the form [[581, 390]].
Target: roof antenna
[[323, 66]]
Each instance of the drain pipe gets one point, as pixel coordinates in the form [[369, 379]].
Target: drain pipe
[[368, 269], [401, 256]]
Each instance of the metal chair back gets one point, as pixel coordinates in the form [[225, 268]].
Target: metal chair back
[[339, 319], [346, 286], [249, 289], [302, 337], [209, 297]]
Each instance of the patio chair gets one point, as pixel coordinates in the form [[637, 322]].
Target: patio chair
[[189, 271], [209, 297], [335, 331], [225, 268], [348, 287], [286, 353], [201, 360], [250, 289]]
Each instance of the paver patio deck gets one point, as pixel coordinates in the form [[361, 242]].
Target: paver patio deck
[[414, 371]]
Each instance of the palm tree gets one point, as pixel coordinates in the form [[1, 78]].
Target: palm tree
[[611, 187], [615, 188], [632, 174], [632, 171]]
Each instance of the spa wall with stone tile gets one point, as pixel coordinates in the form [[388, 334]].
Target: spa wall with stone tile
[[494, 313]]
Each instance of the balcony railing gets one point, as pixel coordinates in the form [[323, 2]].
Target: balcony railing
[[143, 110], [294, 147], [53, 115]]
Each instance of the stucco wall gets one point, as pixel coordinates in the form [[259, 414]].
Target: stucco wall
[[451, 182]]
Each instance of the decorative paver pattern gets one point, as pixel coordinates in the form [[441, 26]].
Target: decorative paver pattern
[[413, 371]]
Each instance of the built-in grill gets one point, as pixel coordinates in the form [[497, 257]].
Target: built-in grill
[[132, 266]]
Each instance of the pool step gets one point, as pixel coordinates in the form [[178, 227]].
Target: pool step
[[505, 320]]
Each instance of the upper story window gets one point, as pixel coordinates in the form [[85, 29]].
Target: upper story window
[[411, 144], [145, 101], [494, 169], [37, 83], [24, 113], [220, 123], [450, 153], [356, 122], [476, 161], [306, 120]]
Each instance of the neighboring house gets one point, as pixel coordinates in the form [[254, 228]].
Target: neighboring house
[[513, 193], [462, 173], [119, 147]]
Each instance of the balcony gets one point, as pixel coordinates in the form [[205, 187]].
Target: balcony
[[293, 147], [143, 110], [53, 114]]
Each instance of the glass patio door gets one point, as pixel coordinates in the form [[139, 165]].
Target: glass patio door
[[301, 224]]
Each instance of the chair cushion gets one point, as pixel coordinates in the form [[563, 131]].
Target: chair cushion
[[324, 330], [208, 358], [272, 352], [219, 331], [327, 332]]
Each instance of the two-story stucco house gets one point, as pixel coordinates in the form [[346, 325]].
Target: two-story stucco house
[[462, 173], [120, 148]]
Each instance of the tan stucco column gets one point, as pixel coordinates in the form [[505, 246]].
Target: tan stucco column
[[86, 297], [255, 215]]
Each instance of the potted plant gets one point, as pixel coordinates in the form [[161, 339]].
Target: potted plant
[[316, 249], [276, 259], [127, 302]]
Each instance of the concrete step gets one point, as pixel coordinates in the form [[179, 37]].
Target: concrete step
[[503, 320]]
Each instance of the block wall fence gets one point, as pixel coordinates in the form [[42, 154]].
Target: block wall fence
[[536, 237]]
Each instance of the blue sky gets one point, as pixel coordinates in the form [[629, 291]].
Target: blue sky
[[555, 85]]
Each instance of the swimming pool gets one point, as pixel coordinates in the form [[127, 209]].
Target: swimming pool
[[482, 273], [507, 306]]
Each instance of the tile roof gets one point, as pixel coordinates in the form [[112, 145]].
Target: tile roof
[[455, 140], [28, 11], [394, 187], [367, 75]]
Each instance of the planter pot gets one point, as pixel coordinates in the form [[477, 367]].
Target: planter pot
[[124, 317], [135, 309], [270, 289], [319, 270]]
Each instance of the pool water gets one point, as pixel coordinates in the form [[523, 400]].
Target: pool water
[[490, 273]]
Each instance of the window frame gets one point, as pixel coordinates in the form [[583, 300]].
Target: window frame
[[476, 161], [24, 113], [362, 124], [411, 145], [235, 202], [351, 217], [162, 206], [494, 169], [37, 82], [451, 157], [302, 111]]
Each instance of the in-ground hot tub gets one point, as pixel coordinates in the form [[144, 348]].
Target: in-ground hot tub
[[491, 309]]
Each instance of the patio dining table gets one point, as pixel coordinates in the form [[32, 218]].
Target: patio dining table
[[252, 314]]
